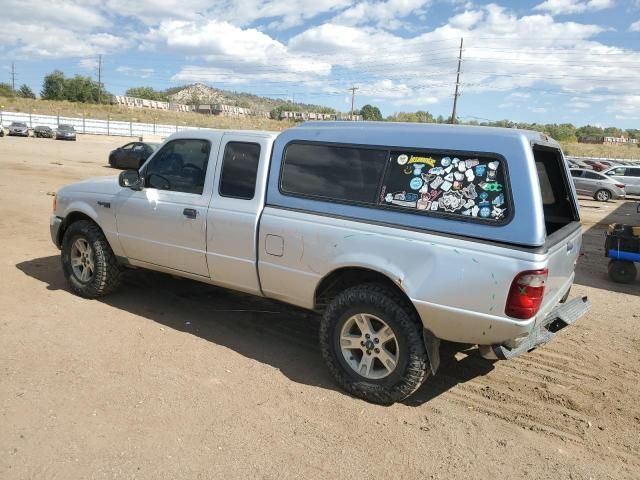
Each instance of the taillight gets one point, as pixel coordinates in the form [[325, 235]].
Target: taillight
[[525, 295], [620, 185]]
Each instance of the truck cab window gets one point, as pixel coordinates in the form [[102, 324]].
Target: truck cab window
[[239, 170], [180, 166]]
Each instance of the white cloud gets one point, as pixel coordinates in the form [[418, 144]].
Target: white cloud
[[568, 7], [467, 19], [383, 14], [635, 27], [88, 64], [237, 42], [577, 104], [538, 110], [33, 41], [233, 54], [68, 28], [626, 107], [135, 72], [286, 13]]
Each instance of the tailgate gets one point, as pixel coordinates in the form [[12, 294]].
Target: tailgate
[[562, 257]]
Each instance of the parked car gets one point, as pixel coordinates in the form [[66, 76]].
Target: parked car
[[66, 132], [392, 232], [629, 176], [609, 163], [18, 129], [132, 155], [577, 163], [596, 165], [597, 185], [42, 131], [1, 131]]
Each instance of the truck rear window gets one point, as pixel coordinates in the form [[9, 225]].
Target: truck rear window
[[555, 190], [450, 184]]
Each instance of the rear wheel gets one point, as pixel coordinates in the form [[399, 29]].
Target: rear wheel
[[621, 271], [371, 340], [602, 195], [89, 265]]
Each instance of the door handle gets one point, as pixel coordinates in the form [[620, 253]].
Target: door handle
[[190, 212]]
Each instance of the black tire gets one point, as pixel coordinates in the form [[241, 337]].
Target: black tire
[[412, 367], [621, 271], [602, 195], [107, 275]]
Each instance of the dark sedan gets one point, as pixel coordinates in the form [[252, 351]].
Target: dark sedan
[[18, 129], [66, 132], [132, 155], [42, 131]]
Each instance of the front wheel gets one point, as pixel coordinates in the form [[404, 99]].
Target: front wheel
[[372, 343], [89, 264], [621, 271], [602, 195]]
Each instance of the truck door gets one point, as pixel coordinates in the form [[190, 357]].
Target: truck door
[[234, 211], [164, 224]]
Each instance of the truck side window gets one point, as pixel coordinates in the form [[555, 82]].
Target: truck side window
[[239, 170], [180, 166], [341, 173]]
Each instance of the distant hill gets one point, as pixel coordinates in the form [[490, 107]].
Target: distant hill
[[199, 93]]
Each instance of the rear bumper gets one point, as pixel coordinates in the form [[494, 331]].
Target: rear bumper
[[560, 317]]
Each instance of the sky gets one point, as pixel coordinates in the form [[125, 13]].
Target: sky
[[544, 61]]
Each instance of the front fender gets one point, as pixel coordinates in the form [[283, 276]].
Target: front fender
[[99, 209]]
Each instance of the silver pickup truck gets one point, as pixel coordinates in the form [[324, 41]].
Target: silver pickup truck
[[399, 235]]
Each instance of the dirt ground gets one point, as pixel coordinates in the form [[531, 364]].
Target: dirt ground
[[171, 379]]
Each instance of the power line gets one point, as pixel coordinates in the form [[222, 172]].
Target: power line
[[99, 78], [13, 76], [455, 95], [353, 96]]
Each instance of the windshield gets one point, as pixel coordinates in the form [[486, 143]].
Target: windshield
[[18, 124], [65, 127]]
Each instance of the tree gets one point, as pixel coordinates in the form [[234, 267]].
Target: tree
[[284, 107], [147, 92], [370, 112], [564, 132], [53, 87], [26, 92], [420, 116], [76, 89], [6, 90]]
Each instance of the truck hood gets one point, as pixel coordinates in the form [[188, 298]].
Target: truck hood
[[98, 185]]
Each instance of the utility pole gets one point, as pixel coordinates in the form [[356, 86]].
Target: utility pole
[[99, 78], [456, 95], [353, 96], [13, 76]]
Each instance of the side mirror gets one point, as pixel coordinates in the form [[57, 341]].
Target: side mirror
[[130, 179]]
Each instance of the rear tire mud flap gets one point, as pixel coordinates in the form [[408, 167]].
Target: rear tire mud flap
[[432, 344]]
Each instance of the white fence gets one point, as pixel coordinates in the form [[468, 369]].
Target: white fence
[[92, 125]]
